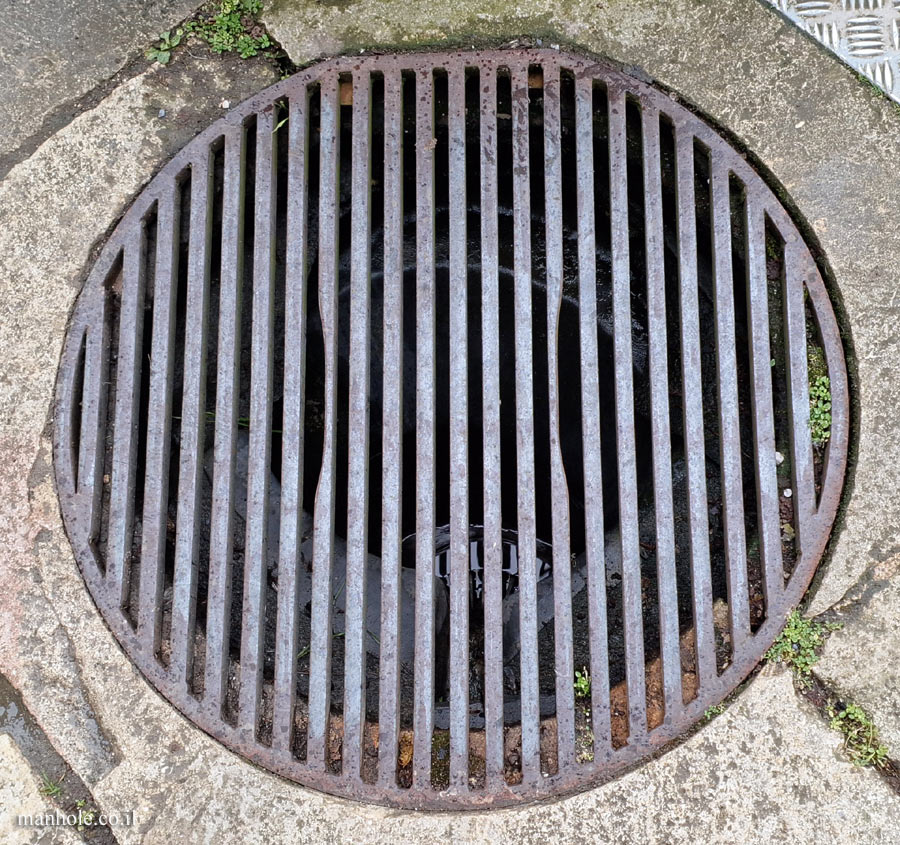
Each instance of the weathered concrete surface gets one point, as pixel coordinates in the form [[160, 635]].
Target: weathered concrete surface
[[767, 771], [828, 136], [20, 795], [56, 206], [862, 660], [52, 53]]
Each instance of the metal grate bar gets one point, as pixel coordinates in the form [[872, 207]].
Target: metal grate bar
[[527, 530], [156, 484], [769, 521], [292, 450], [358, 475], [796, 272], [729, 412], [93, 410], [193, 423], [625, 436], [590, 411], [459, 437], [692, 393], [228, 364], [392, 433], [562, 573], [836, 452], [257, 541], [490, 387], [423, 692], [323, 517], [670, 652], [128, 380]]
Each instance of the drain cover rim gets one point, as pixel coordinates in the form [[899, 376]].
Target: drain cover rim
[[577, 777]]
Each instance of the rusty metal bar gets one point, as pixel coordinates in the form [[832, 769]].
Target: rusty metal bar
[[228, 364], [358, 447], [459, 437], [768, 520], [323, 517], [490, 386], [562, 572], [256, 545], [796, 270], [692, 393], [670, 652], [392, 434], [835, 457], [590, 418], [529, 695], [193, 422], [128, 392], [292, 440], [423, 692], [93, 418], [156, 482], [625, 436], [729, 411]]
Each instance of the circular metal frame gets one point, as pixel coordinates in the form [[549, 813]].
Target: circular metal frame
[[78, 497]]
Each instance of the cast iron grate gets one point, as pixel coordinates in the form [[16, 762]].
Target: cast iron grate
[[416, 384]]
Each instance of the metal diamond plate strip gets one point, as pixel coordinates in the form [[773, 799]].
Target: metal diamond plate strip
[[863, 33]]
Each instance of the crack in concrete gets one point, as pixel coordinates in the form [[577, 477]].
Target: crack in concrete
[[822, 696], [19, 723], [874, 580]]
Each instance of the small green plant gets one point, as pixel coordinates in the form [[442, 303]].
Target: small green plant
[[798, 644], [233, 28], [49, 787], [582, 683], [861, 740], [162, 52], [715, 710], [229, 26], [820, 410], [87, 818]]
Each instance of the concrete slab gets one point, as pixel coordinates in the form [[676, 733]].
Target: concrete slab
[[862, 660], [52, 53], [21, 801], [766, 771], [72, 190]]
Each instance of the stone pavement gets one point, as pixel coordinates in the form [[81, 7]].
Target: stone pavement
[[57, 57], [769, 770]]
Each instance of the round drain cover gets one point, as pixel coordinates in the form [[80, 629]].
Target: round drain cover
[[452, 429]]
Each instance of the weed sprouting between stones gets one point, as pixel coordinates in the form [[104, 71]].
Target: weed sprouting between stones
[[798, 645]]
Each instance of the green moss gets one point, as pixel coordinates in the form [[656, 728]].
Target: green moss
[[712, 712]]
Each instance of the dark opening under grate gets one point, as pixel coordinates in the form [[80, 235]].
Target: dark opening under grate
[[418, 384]]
